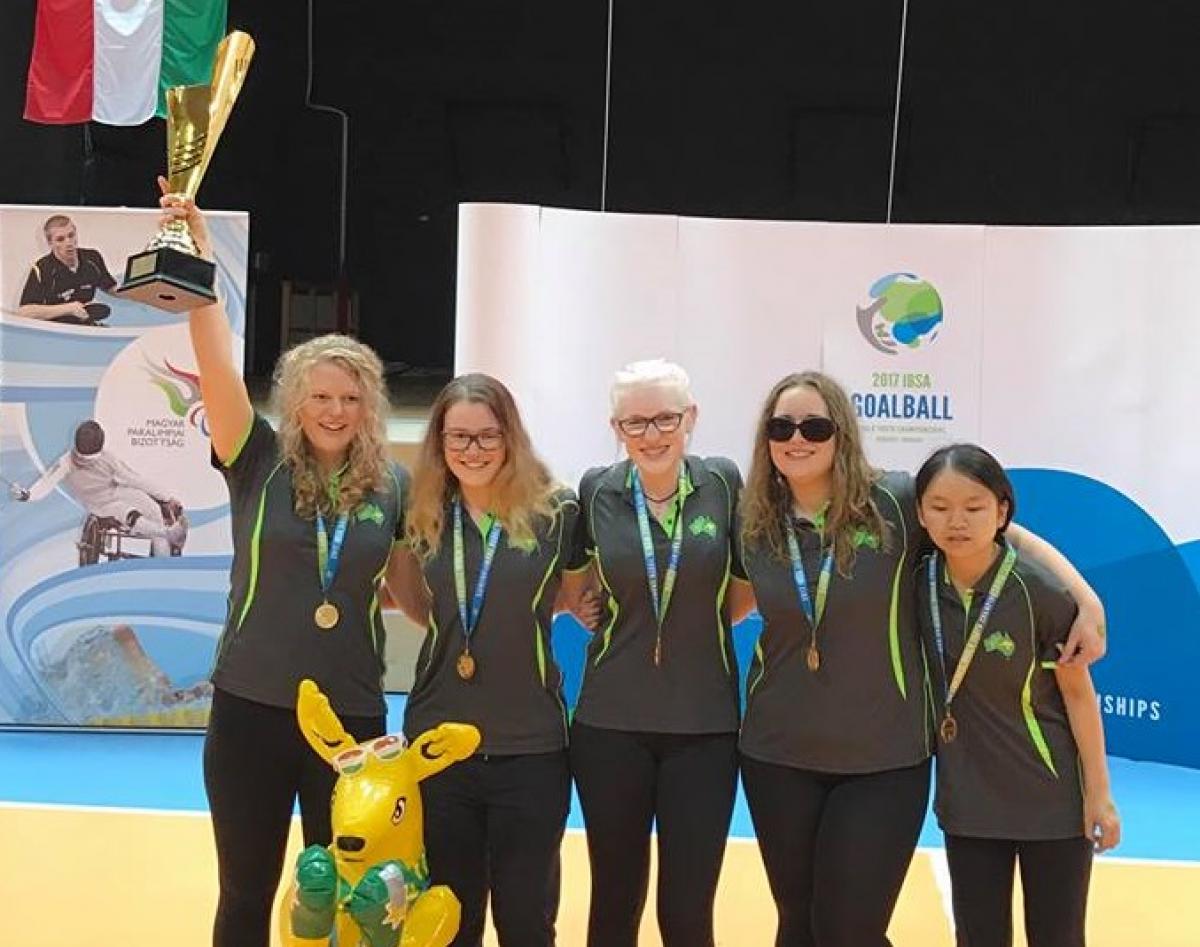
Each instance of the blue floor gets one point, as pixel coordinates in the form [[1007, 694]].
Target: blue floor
[[1159, 804]]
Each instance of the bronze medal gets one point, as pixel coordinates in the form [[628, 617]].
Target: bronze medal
[[949, 728], [326, 616], [465, 666], [813, 658]]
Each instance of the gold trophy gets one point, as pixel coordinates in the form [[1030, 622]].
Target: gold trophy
[[170, 274]]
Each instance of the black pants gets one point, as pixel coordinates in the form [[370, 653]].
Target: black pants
[[255, 763], [1054, 881], [836, 848], [493, 825], [686, 784]]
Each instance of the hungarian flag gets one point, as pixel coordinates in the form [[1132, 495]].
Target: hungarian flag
[[112, 60]]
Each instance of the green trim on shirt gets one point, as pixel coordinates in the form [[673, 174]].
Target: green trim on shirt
[[613, 604], [667, 517], [1031, 720], [894, 609], [539, 645], [241, 443], [255, 543]]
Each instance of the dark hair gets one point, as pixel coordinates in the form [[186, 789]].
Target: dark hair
[[89, 438], [972, 461]]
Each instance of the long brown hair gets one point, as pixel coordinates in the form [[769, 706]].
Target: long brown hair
[[366, 464], [767, 500], [522, 490]]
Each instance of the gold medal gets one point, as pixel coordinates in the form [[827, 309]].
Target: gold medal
[[949, 728], [326, 616], [465, 666], [813, 658], [657, 653]]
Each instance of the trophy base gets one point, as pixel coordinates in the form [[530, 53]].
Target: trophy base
[[169, 280]]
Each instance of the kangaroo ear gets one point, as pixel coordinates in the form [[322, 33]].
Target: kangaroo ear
[[319, 724], [436, 749]]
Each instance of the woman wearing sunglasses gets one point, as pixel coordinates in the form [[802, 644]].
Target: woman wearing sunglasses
[[836, 740], [490, 536], [316, 509], [653, 741]]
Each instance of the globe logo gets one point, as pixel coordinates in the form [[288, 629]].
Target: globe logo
[[905, 311]]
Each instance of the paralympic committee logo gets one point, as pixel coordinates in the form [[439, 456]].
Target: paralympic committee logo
[[182, 391], [905, 312]]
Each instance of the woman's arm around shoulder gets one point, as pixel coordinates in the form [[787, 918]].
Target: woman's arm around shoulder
[[1086, 642]]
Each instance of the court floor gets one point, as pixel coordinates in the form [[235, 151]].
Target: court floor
[[107, 841]]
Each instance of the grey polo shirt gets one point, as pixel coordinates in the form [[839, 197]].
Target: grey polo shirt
[[868, 707], [1012, 772], [270, 641], [515, 696], [694, 687]]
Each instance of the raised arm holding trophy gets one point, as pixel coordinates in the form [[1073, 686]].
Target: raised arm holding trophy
[[171, 273]]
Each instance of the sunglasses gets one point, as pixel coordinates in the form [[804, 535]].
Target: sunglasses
[[351, 761], [814, 429]]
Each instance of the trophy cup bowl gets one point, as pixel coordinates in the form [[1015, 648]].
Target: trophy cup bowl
[[171, 274]]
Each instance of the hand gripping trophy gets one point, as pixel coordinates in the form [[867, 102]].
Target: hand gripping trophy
[[171, 274]]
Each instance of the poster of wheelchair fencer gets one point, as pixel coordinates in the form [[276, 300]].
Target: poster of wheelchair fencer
[[114, 537]]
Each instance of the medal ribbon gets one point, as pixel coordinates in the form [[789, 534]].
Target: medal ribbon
[[470, 618], [813, 615], [329, 555], [663, 602], [972, 643]]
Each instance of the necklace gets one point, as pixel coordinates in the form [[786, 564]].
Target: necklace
[[670, 496]]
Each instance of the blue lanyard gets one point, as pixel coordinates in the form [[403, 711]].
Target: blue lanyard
[[971, 644], [329, 555], [813, 615], [470, 619], [661, 602]]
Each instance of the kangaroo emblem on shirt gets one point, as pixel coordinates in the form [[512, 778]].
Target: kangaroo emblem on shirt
[[998, 642], [369, 512]]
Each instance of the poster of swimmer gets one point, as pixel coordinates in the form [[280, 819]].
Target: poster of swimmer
[[114, 539]]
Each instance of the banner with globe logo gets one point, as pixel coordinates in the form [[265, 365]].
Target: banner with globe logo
[[907, 342], [905, 311]]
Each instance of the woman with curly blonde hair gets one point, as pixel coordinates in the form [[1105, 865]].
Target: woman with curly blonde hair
[[316, 512], [491, 538], [836, 739]]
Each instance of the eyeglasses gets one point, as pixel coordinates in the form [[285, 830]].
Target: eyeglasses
[[488, 439], [665, 423], [814, 429], [351, 761]]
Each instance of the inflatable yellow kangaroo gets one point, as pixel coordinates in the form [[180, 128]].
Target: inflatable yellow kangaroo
[[370, 888]]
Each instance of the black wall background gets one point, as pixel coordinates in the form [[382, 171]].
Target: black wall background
[[1021, 113]]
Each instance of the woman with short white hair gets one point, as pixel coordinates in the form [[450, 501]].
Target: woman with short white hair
[[654, 736]]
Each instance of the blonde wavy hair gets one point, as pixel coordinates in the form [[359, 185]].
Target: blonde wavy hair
[[767, 500], [366, 468], [522, 491]]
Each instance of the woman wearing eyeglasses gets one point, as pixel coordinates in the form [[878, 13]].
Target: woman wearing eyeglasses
[[490, 537], [315, 508], [653, 741], [837, 735]]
